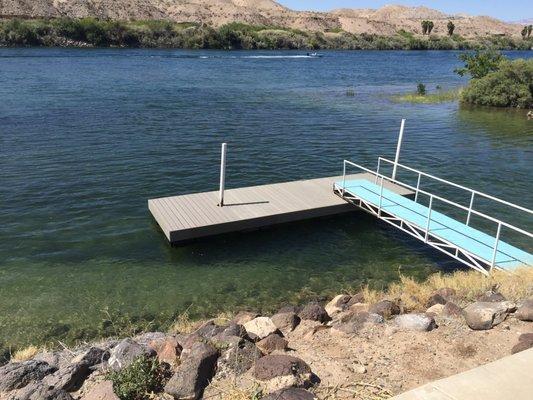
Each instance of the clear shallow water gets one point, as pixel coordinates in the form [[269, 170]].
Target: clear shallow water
[[87, 136]]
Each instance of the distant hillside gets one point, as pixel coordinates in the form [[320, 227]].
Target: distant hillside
[[384, 21]]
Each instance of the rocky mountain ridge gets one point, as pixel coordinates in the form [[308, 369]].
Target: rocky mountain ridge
[[383, 21]]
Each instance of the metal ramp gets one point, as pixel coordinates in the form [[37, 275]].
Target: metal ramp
[[473, 247]]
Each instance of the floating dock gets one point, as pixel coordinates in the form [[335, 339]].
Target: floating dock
[[192, 216]]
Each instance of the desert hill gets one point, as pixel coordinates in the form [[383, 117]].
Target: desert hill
[[386, 20]]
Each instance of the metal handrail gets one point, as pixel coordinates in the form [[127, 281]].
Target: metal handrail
[[433, 196], [506, 224], [473, 191]]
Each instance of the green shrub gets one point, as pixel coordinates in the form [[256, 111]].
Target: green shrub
[[421, 89], [510, 86], [480, 63], [142, 377]]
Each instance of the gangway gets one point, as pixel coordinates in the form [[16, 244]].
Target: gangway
[[473, 247]]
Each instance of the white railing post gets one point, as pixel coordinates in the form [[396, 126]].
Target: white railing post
[[343, 177], [380, 198], [495, 252], [398, 148], [377, 171], [429, 218], [417, 186], [222, 174], [470, 208]]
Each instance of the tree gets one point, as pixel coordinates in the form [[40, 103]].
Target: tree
[[430, 27], [480, 63], [424, 27], [524, 32], [451, 28], [529, 29]]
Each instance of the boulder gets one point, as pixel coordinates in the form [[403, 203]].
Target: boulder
[[338, 304], [40, 391], [436, 299], [525, 311], [435, 309], [525, 341], [260, 328], [234, 329], [238, 356], [491, 297], [101, 391], [447, 293], [145, 338], [91, 357], [285, 322], [415, 322], [484, 315], [290, 393], [272, 343], [19, 374], [314, 312], [167, 349], [289, 309], [244, 316], [359, 307], [385, 308], [52, 358], [356, 299], [281, 371], [125, 352], [68, 378], [209, 329], [194, 373], [352, 323], [452, 310]]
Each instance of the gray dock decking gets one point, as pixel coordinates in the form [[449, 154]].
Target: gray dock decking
[[197, 215]]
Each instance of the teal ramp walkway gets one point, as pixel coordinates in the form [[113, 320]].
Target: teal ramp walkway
[[455, 238]]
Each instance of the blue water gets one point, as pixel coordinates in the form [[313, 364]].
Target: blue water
[[87, 136]]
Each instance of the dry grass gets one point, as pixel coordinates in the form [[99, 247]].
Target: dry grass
[[184, 324], [469, 285], [25, 354], [357, 390], [234, 392], [371, 295]]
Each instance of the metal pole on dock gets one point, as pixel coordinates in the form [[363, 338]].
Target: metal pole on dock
[[222, 174], [397, 158]]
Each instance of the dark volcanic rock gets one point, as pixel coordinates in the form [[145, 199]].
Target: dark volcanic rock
[[274, 366], [210, 329], [40, 391], [167, 349], [525, 311], [69, 378], [290, 394], [194, 373], [356, 299], [19, 374], [314, 312], [525, 341], [492, 297], [92, 356], [385, 308], [272, 343], [238, 356], [124, 353], [452, 310], [435, 299], [285, 322]]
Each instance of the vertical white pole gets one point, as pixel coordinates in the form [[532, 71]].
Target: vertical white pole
[[429, 218], [397, 158], [495, 251], [222, 174]]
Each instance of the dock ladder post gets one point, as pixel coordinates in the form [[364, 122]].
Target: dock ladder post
[[222, 174]]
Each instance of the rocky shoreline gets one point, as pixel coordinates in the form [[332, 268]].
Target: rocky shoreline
[[349, 346]]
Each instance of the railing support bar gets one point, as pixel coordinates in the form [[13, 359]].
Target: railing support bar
[[495, 252], [398, 148], [380, 198], [470, 208], [417, 186], [343, 177], [222, 174], [429, 218]]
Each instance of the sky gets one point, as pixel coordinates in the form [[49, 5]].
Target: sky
[[507, 10]]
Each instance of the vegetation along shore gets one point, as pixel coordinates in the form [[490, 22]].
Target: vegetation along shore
[[92, 32], [364, 342]]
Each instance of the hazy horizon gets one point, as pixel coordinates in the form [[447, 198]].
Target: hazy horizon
[[508, 11]]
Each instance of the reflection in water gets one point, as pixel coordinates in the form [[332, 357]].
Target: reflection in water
[[497, 122]]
